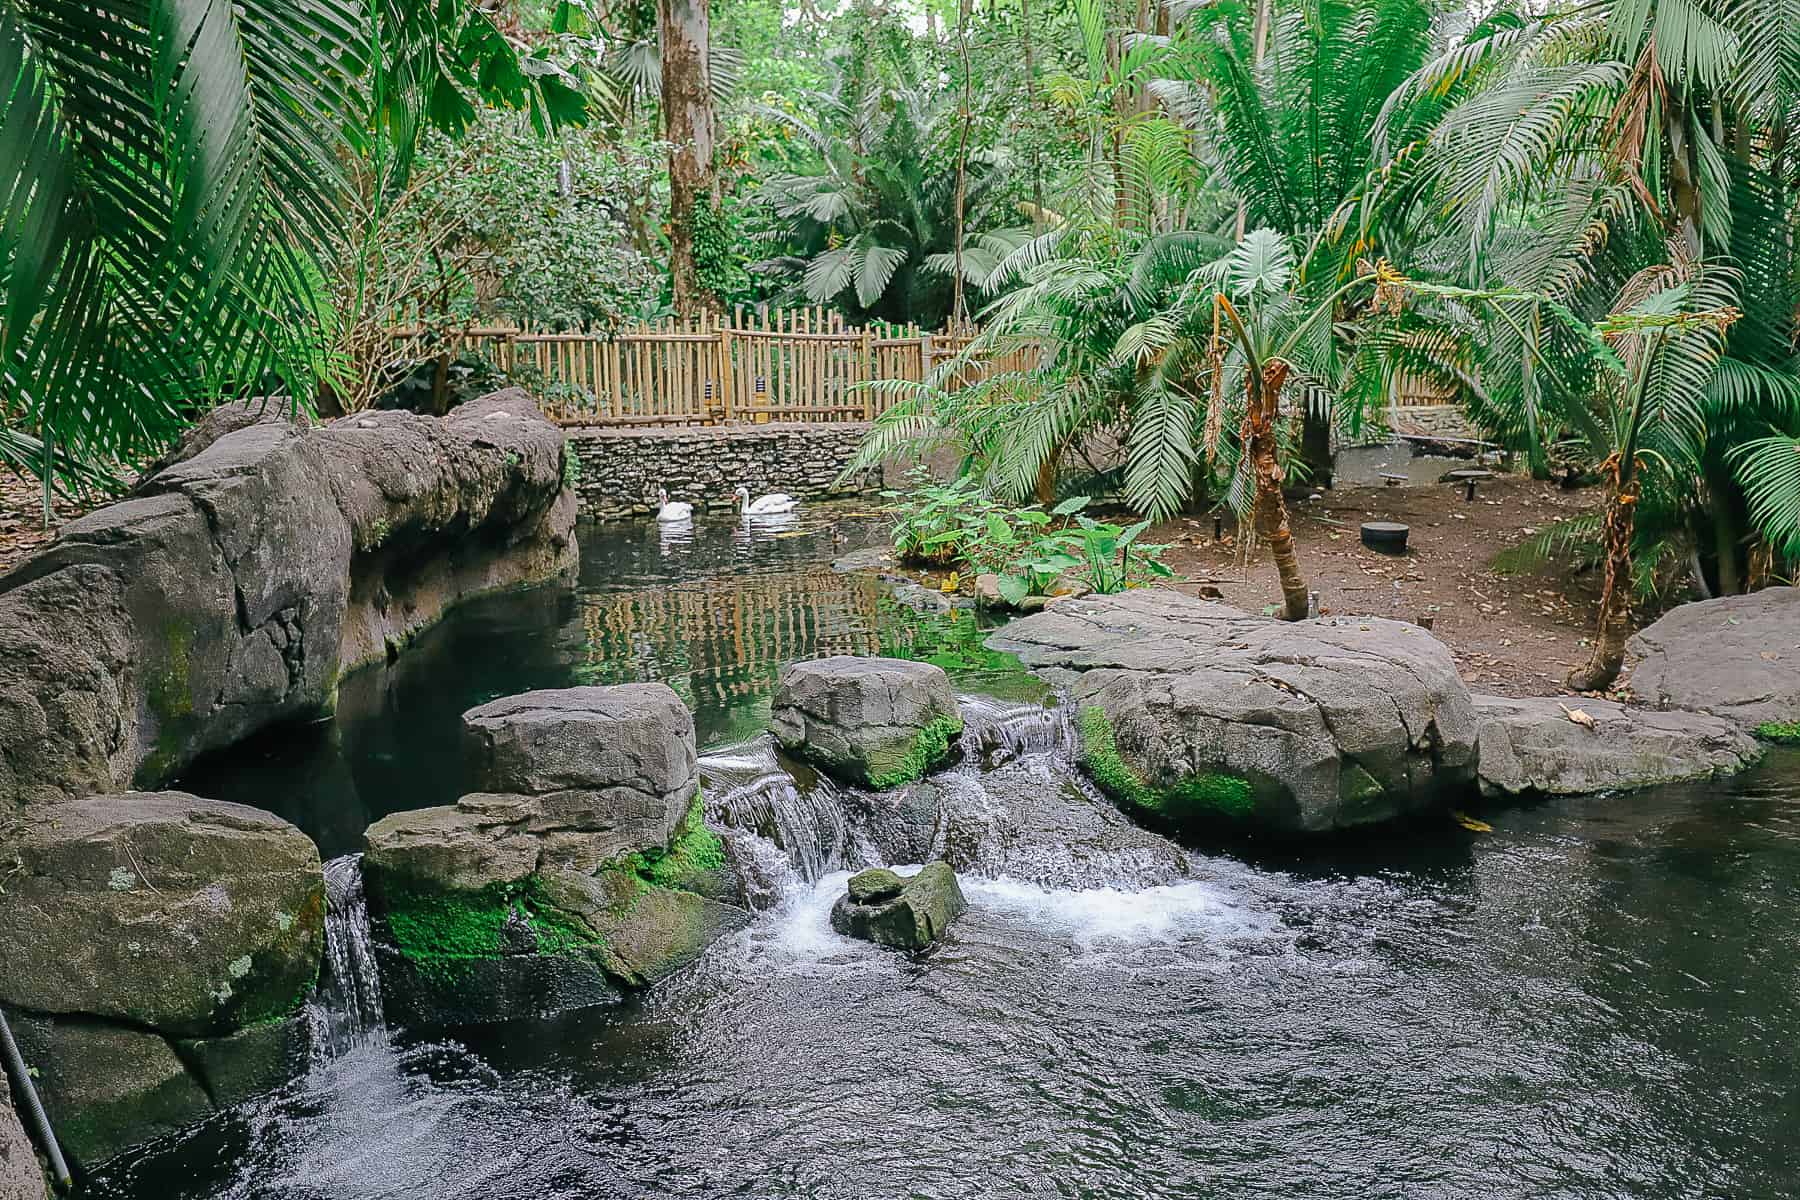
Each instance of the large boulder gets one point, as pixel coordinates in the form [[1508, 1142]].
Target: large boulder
[[1737, 657], [873, 722], [21, 1175], [242, 579], [158, 948], [902, 912], [1546, 747], [1201, 715], [593, 873]]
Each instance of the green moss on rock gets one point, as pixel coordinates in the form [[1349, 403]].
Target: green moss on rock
[[444, 932], [929, 746], [1782, 733], [1195, 796]]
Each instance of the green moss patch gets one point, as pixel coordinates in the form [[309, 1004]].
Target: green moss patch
[[443, 933], [930, 746], [694, 850], [1782, 733], [1194, 797]]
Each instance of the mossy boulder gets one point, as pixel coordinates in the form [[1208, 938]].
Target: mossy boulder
[[1204, 717], [904, 913], [872, 722], [595, 875]]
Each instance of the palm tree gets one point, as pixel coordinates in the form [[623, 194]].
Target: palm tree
[[1558, 156], [172, 177]]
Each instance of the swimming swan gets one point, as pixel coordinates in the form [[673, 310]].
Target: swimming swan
[[765, 506]]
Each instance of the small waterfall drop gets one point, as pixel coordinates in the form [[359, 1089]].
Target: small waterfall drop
[[996, 732], [782, 831], [347, 1010]]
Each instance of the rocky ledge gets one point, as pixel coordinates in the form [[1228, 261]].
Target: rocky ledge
[[1737, 657], [157, 948], [904, 912], [583, 868], [1200, 715], [871, 722], [1574, 745], [246, 574]]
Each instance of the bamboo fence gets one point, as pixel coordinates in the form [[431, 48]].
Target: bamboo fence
[[793, 365], [803, 365]]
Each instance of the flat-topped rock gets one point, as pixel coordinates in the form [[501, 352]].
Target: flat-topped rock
[[1736, 657], [874, 722], [1203, 715], [910, 917], [1545, 747], [592, 873]]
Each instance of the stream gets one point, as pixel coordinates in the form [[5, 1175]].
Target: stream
[[1598, 998]]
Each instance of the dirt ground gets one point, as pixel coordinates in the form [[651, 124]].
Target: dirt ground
[[1515, 635], [22, 518]]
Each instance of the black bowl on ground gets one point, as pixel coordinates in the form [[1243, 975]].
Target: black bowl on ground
[[1389, 537]]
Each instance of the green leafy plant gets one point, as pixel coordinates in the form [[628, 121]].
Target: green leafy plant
[[933, 521], [1112, 558]]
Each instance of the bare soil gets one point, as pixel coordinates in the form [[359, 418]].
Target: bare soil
[[1512, 634]]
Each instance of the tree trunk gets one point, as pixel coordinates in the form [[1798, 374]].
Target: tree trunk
[[1259, 45], [1271, 508], [1602, 669], [1045, 488], [688, 119], [958, 306]]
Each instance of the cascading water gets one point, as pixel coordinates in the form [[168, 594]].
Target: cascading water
[[997, 731], [781, 832], [347, 1009]]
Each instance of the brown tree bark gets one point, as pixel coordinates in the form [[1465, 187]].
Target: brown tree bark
[[1270, 508], [1602, 669], [688, 123]]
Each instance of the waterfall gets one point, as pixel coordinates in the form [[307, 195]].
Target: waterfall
[[347, 1010], [997, 731], [782, 832]]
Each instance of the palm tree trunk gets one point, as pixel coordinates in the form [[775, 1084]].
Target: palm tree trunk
[[688, 119], [1270, 508], [1602, 669]]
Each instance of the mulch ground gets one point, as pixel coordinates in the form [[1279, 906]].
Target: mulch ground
[[22, 518], [1516, 635]]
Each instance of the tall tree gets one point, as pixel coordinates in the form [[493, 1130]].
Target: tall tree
[[688, 120]]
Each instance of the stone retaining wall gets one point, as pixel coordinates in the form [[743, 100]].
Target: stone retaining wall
[[621, 468]]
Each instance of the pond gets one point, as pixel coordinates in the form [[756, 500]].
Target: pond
[[1598, 998]]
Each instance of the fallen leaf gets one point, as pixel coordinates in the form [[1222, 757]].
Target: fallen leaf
[[1471, 824], [1580, 718]]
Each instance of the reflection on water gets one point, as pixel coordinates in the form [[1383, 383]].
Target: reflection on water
[[713, 607]]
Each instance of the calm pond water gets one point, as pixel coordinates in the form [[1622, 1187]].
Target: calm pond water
[[1599, 998]]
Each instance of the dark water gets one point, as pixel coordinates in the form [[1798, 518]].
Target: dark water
[[1599, 998], [714, 609]]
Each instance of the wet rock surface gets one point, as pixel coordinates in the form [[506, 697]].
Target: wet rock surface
[[158, 948], [1736, 657], [1201, 715], [21, 1174], [874, 722], [1544, 747], [596, 874], [904, 913], [237, 583]]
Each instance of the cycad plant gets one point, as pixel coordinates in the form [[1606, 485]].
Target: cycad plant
[[171, 175]]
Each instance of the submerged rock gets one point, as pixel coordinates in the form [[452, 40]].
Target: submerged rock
[[1736, 657], [1533, 747], [874, 722], [595, 873], [1201, 715], [243, 578], [157, 947], [907, 913]]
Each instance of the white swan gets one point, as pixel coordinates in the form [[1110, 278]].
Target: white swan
[[672, 510], [764, 506]]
